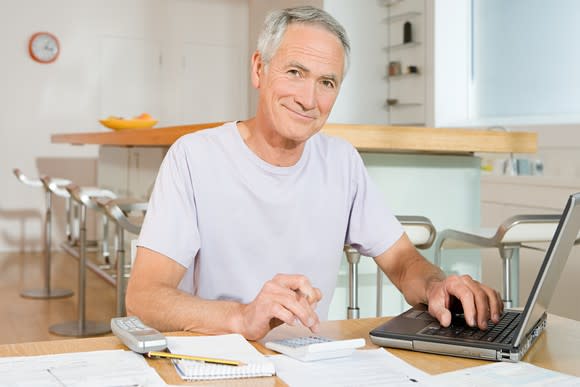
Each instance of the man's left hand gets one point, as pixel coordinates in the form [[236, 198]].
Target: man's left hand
[[480, 303]]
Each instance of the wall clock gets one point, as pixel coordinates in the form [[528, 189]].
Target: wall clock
[[44, 47]]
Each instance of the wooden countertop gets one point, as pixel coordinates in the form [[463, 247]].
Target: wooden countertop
[[374, 138], [556, 349]]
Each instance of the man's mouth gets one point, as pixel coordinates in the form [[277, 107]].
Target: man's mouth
[[300, 114]]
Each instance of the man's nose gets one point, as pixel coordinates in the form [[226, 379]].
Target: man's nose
[[306, 95]]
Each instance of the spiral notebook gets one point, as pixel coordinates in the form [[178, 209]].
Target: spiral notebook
[[233, 346]]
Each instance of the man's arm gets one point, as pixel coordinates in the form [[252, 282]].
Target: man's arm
[[152, 294], [422, 282]]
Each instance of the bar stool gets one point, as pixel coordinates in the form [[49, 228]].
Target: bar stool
[[82, 327], [47, 291], [420, 231], [508, 238], [72, 241], [121, 213]]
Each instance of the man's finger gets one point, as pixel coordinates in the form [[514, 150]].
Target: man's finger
[[464, 294], [299, 283], [441, 313]]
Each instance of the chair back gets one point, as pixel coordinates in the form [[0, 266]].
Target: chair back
[[419, 229], [528, 229]]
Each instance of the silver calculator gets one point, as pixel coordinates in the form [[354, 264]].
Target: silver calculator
[[309, 348], [137, 336]]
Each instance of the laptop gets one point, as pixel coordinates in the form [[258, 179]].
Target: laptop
[[517, 331]]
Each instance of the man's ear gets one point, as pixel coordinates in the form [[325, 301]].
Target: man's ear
[[257, 69]]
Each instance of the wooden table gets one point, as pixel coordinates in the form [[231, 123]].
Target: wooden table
[[558, 349]]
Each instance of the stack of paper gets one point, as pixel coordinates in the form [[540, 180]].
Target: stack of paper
[[86, 369]]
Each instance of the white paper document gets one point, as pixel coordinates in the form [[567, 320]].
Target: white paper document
[[86, 369], [374, 367], [506, 374]]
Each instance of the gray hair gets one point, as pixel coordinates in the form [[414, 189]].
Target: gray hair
[[278, 21]]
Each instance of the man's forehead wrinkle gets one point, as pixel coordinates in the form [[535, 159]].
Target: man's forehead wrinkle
[[319, 58]]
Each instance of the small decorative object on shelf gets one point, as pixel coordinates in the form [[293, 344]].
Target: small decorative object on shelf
[[394, 68], [407, 32], [413, 69], [392, 101]]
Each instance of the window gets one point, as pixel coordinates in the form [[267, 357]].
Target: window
[[526, 61]]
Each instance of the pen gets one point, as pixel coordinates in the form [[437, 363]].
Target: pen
[[168, 355]]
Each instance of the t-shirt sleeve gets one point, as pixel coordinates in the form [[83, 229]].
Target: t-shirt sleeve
[[170, 226], [372, 227]]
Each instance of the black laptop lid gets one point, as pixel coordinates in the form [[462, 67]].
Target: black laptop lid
[[552, 267]]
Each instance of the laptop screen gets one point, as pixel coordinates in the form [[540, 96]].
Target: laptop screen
[[552, 267]]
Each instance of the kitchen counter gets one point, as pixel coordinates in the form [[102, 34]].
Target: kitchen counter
[[373, 138]]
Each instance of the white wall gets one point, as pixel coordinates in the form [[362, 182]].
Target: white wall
[[364, 91], [117, 58]]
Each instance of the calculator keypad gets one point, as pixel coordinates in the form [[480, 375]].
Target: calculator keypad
[[302, 341]]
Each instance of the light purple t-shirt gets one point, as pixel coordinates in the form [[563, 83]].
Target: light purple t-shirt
[[234, 221]]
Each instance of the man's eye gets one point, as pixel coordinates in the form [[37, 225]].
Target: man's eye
[[294, 72], [328, 84]]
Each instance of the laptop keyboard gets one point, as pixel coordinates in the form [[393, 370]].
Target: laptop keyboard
[[502, 332]]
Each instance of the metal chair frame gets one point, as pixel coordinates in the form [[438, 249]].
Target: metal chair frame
[[118, 211], [511, 235], [353, 259]]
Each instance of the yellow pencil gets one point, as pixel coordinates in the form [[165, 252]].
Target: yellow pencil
[[168, 355]]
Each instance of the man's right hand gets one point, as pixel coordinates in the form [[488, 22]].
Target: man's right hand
[[283, 299]]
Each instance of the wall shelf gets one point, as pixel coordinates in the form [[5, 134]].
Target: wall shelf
[[402, 46], [403, 76], [402, 16], [390, 3], [402, 104]]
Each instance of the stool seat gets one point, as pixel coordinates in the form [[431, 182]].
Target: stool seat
[[121, 211], [511, 235]]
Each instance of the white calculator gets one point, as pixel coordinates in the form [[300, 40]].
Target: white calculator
[[310, 348]]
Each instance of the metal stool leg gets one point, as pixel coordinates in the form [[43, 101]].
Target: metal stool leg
[[379, 292], [121, 280], [81, 327], [510, 270], [47, 291], [105, 240], [353, 258]]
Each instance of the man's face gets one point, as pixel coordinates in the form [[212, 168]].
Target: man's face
[[300, 84]]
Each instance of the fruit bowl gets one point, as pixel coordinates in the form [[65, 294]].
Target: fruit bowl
[[117, 123]]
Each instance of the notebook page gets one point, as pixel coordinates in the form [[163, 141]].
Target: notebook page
[[232, 347]]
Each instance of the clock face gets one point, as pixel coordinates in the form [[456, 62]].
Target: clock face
[[44, 47]]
